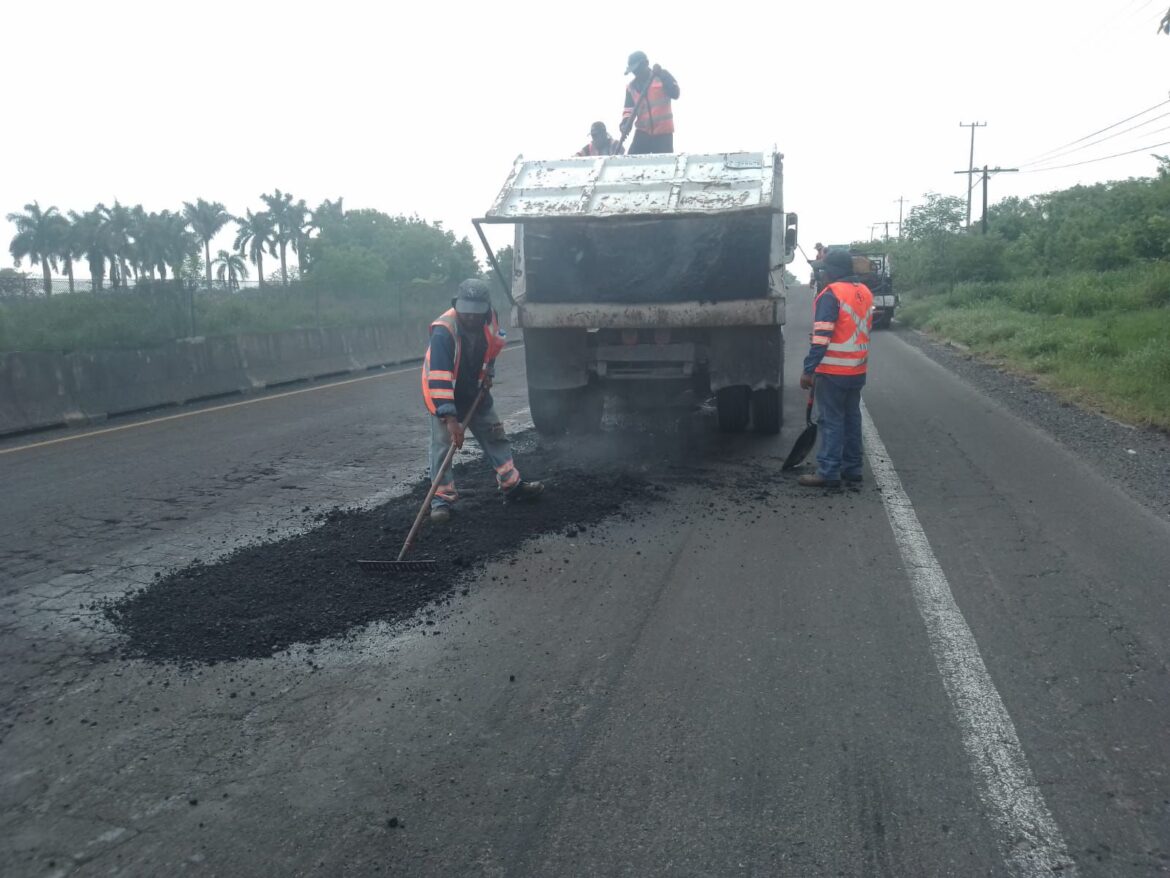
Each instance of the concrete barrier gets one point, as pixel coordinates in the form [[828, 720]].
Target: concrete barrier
[[47, 389]]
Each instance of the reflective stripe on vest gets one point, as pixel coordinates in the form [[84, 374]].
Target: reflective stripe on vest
[[652, 109], [438, 385], [848, 349]]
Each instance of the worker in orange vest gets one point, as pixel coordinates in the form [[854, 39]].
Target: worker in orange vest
[[836, 363], [460, 359], [648, 109], [600, 143]]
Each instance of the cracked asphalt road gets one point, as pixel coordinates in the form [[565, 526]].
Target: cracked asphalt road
[[732, 680]]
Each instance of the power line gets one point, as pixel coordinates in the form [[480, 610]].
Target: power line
[[1090, 161], [1076, 149], [1095, 133]]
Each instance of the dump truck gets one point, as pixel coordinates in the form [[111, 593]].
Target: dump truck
[[654, 279]]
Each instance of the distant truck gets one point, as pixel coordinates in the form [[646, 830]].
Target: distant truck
[[658, 279], [876, 273]]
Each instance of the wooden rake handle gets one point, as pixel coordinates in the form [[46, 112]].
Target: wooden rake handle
[[450, 456]]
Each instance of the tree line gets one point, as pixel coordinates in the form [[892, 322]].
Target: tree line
[[333, 247], [1100, 227]]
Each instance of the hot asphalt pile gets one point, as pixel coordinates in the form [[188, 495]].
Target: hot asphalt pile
[[268, 597]]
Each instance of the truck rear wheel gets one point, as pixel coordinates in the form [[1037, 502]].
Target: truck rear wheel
[[734, 407], [767, 405], [550, 410]]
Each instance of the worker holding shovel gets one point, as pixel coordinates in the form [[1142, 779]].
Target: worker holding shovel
[[456, 380], [837, 362]]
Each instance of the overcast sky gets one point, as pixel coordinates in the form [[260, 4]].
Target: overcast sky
[[421, 108]]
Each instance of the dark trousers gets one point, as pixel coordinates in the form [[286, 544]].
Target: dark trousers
[[839, 429], [644, 144]]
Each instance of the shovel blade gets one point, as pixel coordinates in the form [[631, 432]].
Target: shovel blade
[[420, 566], [800, 449]]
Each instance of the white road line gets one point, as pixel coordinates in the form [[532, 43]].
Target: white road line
[[1028, 836]]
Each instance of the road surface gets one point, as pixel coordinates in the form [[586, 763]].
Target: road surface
[[960, 669]]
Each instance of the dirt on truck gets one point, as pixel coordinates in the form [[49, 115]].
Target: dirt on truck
[[656, 279]]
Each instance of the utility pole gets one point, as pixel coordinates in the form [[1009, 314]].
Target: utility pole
[[986, 174], [971, 164], [900, 200], [885, 223]]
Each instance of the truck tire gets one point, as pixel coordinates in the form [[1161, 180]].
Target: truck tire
[[551, 410], [767, 408], [883, 320], [734, 407]]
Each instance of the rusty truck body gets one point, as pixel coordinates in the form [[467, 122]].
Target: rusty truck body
[[658, 279]]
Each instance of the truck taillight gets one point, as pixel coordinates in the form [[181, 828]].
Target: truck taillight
[[662, 336], [629, 336]]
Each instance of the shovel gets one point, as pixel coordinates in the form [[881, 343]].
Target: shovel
[[401, 565], [806, 440]]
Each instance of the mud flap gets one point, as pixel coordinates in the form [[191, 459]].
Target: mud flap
[[556, 359], [746, 355]]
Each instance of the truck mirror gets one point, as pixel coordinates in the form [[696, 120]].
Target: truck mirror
[[791, 222]]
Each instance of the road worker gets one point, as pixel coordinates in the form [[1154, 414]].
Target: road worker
[[836, 363], [460, 359], [600, 143], [648, 111]]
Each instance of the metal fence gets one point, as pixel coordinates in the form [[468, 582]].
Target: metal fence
[[29, 285]]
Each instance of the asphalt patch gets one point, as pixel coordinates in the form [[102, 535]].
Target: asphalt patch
[[266, 598]]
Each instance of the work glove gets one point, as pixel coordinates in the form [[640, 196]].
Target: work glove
[[486, 384], [455, 431], [626, 125], [806, 381]]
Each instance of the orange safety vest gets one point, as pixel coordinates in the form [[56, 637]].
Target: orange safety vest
[[848, 347], [589, 149], [438, 386], [651, 108]]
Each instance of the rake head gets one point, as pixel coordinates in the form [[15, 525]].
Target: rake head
[[421, 566]]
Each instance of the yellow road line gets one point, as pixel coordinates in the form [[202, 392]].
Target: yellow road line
[[217, 408]]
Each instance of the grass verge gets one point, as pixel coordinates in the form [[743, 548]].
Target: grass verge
[[1097, 339]]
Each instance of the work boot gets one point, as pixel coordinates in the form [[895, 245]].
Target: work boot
[[440, 514], [814, 480], [852, 482], [524, 491]]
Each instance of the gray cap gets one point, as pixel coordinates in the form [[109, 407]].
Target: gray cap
[[838, 264], [474, 297], [636, 60]]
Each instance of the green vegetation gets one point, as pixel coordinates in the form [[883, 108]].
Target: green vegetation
[[1072, 287], [352, 268], [150, 315]]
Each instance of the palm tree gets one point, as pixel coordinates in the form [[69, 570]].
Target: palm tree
[[326, 214], [37, 235], [93, 242], [288, 220], [206, 220], [119, 232], [299, 215], [69, 246], [229, 269], [176, 242], [254, 236]]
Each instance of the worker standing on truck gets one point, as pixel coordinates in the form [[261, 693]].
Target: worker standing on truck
[[837, 362], [600, 143], [648, 110], [465, 342]]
